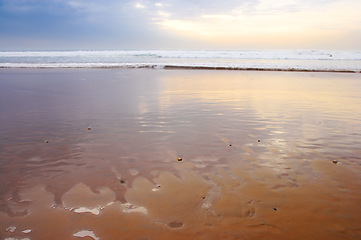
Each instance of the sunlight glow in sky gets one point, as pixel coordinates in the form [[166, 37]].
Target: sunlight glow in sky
[[180, 24]]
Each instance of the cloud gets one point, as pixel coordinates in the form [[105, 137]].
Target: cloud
[[176, 23], [71, 24], [260, 23], [139, 5]]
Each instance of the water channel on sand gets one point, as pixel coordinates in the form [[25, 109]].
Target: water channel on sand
[[179, 154]]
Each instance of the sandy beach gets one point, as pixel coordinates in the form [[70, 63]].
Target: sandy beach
[[179, 154]]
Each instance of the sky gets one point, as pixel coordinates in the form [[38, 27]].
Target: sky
[[180, 24]]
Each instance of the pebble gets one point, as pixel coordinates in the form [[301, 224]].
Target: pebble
[[122, 181], [175, 224], [89, 128], [180, 159], [275, 209], [259, 140], [335, 161], [46, 141]]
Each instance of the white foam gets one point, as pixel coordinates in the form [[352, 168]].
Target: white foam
[[129, 208], [94, 211], [82, 199], [156, 188], [26, 231], [17, 238], [206, 205], [11, 229], [86, 233]]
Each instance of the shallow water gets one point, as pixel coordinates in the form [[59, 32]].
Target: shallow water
[[95, 152]]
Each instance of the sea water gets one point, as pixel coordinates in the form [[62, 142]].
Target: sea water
[[298, 60]]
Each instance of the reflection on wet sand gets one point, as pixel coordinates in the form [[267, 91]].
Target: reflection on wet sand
[[263, 155]]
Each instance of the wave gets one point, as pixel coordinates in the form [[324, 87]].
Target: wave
[[295, 60]]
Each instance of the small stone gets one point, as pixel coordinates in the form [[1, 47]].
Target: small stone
[[122, 181], [46, 141], [203, 197], [89, 128], [180, 159], [275, 209], [230, 145], [175, 224], [259, 140], [158, 186], [335, 161]]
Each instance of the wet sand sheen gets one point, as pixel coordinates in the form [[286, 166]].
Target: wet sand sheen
[[95, 153]]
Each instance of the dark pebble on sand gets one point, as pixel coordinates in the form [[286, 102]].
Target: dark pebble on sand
[[275, 209], [259, 140], [122, 181], [46, 141], [335, 161], [89, 128], [230, 145], [180, 159], [175, 224]]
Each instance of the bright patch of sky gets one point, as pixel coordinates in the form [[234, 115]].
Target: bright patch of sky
[[179, 24]]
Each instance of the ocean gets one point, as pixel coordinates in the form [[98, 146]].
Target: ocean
[[290, 60]]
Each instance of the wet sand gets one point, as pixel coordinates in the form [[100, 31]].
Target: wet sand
[[179, 154]]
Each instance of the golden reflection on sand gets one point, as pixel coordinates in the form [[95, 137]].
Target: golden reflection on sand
[[267, 92]]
